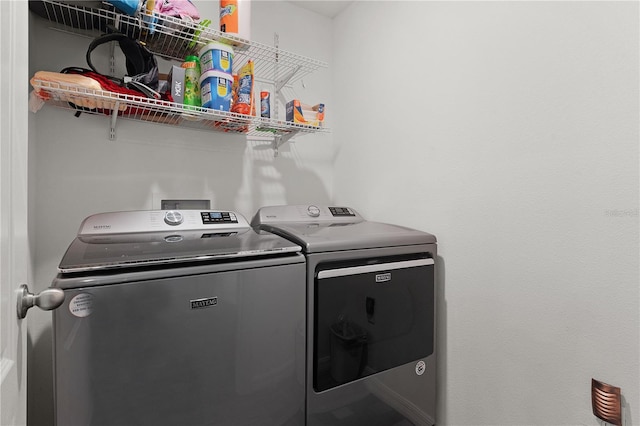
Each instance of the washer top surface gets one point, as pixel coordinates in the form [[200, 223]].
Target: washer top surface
[[324, 229], [156, 237]]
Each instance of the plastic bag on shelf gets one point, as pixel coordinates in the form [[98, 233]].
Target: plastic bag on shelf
[[183, 9]]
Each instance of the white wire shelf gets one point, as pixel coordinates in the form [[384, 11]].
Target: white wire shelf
[[173, 38], [123, 106]]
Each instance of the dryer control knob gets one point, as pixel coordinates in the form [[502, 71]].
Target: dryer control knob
[[313, 211], [173, 218]]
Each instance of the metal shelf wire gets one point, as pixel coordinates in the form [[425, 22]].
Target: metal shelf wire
[[173, 38], [117, 105]]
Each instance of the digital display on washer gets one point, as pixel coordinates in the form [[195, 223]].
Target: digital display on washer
[[341, 211], [218, 217]]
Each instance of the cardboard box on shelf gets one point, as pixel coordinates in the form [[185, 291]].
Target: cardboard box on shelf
[[176, 82], [300, 113]]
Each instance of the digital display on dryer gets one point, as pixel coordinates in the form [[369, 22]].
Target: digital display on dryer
[[341, 211]]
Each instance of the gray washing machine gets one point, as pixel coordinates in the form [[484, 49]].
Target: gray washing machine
[[371, 357], [179, 318]]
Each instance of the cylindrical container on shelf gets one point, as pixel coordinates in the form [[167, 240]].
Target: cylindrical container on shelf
[[216, 56], [215, 90], [191, 65], [265, 105], [235, 18]]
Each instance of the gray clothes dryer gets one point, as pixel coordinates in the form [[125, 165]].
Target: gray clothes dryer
[[371, 358], [179, 318]]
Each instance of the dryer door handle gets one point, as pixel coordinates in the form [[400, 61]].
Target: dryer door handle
[[370, 307], [378, 267]]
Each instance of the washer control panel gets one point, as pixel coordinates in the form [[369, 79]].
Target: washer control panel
[[313, 211], [173, 218], [161, 220], [218, 217]]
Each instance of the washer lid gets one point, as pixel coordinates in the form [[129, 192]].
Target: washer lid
[[181, 238], [321, 228]]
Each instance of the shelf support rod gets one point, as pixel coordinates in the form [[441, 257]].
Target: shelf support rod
[[276, 66], [278, 140], [283, 81], [114, 116], [112, 59]]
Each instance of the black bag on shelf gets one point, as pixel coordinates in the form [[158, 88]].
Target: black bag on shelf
[[142, 67]]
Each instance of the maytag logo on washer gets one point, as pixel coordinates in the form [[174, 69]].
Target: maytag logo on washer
[[420, 368], [381, 278], [204, 302]]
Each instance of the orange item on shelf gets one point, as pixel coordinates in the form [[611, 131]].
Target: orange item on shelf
[[229, 16], [235, 18], [243, 96]]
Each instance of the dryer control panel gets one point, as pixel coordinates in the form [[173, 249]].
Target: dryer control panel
[[306, 213]]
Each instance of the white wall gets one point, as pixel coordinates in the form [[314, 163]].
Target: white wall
[[76, 170], [510, 131]]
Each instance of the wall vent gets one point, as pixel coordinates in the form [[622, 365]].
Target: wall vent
[[606, 402]]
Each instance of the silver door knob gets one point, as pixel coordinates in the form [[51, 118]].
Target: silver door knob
[[47, 299]]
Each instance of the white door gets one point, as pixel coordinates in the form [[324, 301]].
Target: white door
[[14, 250]]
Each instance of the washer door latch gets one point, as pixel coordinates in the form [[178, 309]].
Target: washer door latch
[[47, 299]]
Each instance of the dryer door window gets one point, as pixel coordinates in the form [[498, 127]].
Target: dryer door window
[[371, 318]]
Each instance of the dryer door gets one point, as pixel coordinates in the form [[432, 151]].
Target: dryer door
[[370, 318]]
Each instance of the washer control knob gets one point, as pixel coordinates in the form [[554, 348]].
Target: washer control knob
[[173, 218], [313, 211]]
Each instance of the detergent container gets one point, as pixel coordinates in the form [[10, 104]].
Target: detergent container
[[216, 56], [215, 90]]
